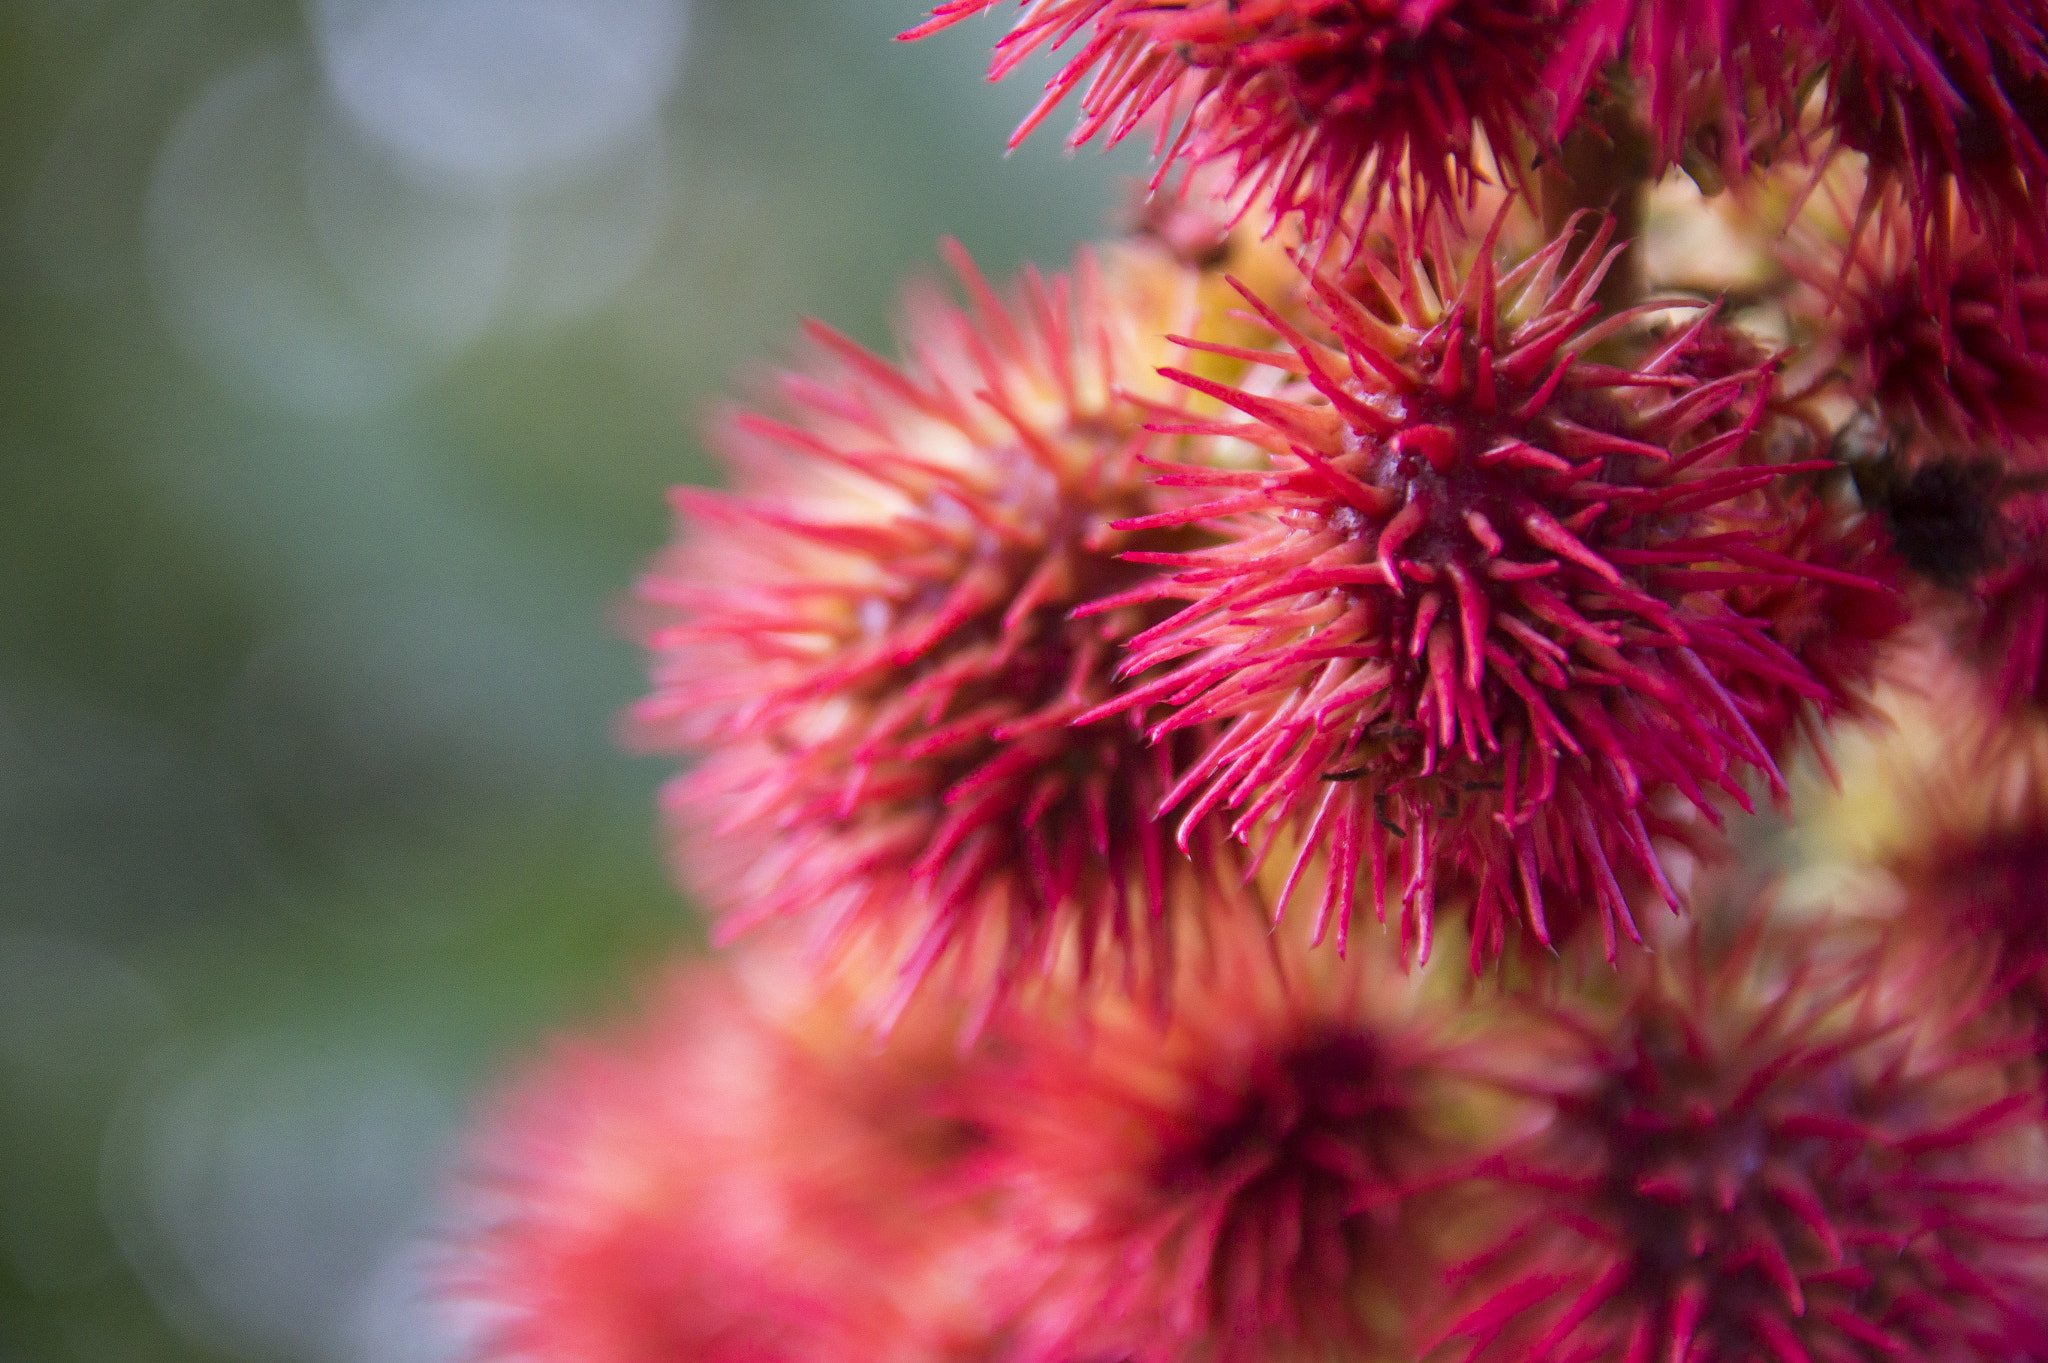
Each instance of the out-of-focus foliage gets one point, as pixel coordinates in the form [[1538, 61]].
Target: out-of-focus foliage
[[345, 352]]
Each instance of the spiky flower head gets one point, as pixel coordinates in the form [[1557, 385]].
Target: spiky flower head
[[1718, 83], [1948, 101], [1482, 606], [868, 642], [1749, 1160], [1251, 1183], [727, 1180], [1308, 102]]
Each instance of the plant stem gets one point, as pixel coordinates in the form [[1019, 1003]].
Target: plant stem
[[1604, 165]]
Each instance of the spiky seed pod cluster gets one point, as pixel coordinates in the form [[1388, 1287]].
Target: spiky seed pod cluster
[[870, 642], [1742, 1156], [1310, 103], [1253, 1182], [1428, 561], [748, 1177], [1484, 605], [1749, 1160]]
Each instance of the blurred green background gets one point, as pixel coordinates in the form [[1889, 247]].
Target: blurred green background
[[346, 351]]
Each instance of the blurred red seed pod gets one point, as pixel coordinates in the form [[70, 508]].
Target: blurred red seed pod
[[1759, 1156], [869, 644], [728, 1180], [1257, 1180], [1967, 375]]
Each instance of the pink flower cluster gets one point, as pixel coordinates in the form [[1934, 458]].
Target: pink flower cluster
[[1525, 438]]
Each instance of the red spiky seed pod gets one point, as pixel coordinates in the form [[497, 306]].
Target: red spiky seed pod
[[1309, 103], [868, 644], [1948, 101], [1719, 83], [721, 1182], [1969, 374], [1481, 607], [1252, 1183], [1749, 1162]]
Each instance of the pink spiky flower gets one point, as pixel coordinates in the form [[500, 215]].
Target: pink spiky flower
[[1948, 100], [1309, 102], [1254, 1182], [721, 1182], [1483, 604], [1719, 81], [1749, 1161], [868, 643]]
